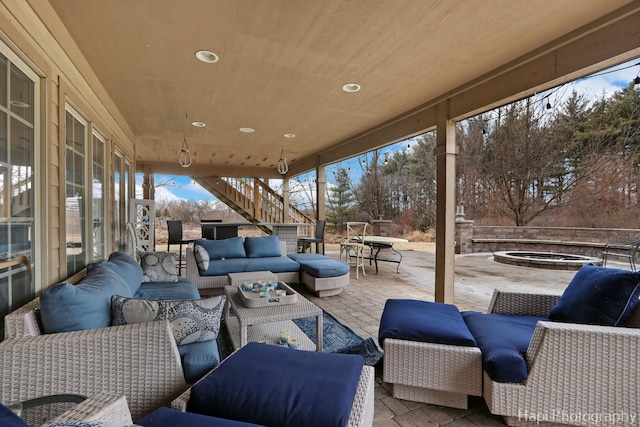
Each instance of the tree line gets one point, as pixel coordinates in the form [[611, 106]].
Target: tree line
[[526, 163]]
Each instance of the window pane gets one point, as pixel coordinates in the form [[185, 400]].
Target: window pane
[[21, 95], [98, 199], [75, 194], [16, 183], [117, 217]]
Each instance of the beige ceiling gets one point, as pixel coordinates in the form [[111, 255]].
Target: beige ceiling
[[283, 64]]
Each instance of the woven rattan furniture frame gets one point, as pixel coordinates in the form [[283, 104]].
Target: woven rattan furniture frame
[[576, 371], [325, 286], [432, 373], [362, 410], [139, 361], [103, 407], [219, 282], [266, 322]]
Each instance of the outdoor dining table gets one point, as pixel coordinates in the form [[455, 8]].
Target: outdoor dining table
[[378, 243]]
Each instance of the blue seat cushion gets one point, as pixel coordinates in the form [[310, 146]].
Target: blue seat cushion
[[198, 359], [243, 265], [424, 321], [598, 296], [223, 249], [182, 289], [320, 265], [260, 247], [65, 307], [275, 386], [166, 417], [503, 339]]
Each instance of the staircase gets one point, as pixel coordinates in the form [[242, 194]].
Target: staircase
[[253, 199]]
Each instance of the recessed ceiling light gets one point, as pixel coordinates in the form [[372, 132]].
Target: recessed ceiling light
[[247, 130], [207, 56], [351, 87], [198, 124], [289, 135]]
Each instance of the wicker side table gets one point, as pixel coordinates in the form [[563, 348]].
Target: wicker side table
[[264, 323], [251, 276]]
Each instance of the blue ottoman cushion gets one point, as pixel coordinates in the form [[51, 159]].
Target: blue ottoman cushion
[[424, 321], [198, 358], [275, 386], [503, 339], [320, 266], [165, 417]]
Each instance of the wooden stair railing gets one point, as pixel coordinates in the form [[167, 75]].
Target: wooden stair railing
[[253, 199]]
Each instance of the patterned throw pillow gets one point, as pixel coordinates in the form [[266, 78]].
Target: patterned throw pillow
[[158, 267], [191, 320], [202, 257]]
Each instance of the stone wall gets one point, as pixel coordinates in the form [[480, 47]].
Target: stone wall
[[581, 241]]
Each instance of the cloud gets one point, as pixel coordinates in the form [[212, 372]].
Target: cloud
[[164, 195]]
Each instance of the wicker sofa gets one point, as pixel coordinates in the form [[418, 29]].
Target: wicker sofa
[[575, 373], [323, 275], [141, 361]]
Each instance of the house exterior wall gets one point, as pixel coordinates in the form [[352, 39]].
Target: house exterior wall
[[32, 31]]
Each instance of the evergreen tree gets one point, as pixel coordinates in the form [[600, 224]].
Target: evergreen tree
[[340, 202]]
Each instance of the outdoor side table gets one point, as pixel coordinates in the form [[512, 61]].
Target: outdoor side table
[[265, 323]]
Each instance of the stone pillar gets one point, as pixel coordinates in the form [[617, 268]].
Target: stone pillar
[[464, 232]]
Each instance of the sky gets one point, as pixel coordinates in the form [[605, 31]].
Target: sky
[[606, 82]]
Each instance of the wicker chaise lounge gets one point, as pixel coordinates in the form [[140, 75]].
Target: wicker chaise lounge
[[571, 359]]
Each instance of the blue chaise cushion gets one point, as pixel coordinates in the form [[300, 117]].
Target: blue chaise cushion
[[65, 307], [182, 289], [165, 417], [276, 264], [320, 266], [275, 386], [223, 249], [261, 247], [598, 296], [424, 321], [502, 339]]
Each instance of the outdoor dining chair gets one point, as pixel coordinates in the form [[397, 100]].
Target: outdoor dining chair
[[353, 245], [318, 238]]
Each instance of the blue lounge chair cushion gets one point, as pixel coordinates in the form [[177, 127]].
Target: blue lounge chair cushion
[[9, 419], [598, 296], [165, 417], [274, 386], [503, 339], [424, 321], [125, 266]]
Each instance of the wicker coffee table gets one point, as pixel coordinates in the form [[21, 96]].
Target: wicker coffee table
[[265, 323]]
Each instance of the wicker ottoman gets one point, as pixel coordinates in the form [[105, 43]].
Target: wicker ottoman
[[443, 372]]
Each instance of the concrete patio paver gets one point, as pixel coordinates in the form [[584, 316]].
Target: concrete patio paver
[[360, 307]]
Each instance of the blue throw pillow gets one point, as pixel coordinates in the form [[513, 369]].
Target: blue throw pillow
[[262, 247], [65, 307], [598, 296], [275, 386], [424, 321], [223, 249], [125, 266]]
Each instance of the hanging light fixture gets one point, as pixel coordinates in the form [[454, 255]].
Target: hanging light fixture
[[185, 156], [283, 167]]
